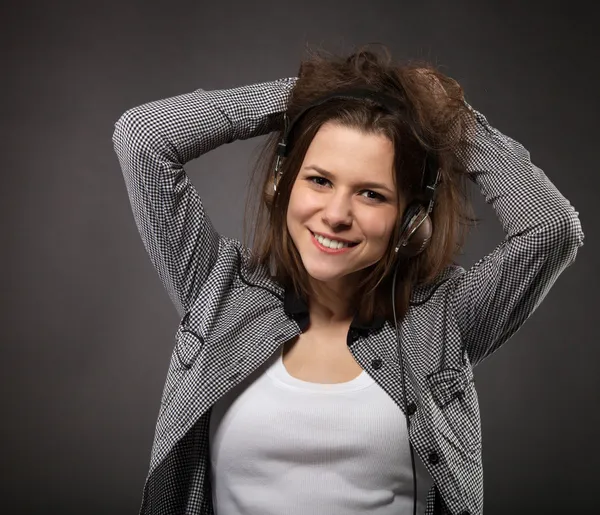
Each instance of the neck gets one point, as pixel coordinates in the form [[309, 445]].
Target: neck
[[329, 306]]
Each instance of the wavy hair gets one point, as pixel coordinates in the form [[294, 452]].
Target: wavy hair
[[434, 119]]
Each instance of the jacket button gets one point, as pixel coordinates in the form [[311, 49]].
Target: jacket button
[[434, 458], [411, 409], [376, 364]]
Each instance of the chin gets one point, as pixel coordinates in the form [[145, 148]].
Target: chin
[[326, 274]]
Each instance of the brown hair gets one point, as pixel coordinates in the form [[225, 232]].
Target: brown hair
[[432, 121]]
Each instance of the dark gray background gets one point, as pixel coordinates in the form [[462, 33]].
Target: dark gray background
[[86, 327]]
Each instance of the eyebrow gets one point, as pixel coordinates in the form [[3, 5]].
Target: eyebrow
[[364, 184]]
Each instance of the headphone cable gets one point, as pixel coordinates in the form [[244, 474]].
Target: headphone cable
[[402, 380]]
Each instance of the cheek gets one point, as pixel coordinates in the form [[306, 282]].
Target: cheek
[[380, 227], [300, 206]]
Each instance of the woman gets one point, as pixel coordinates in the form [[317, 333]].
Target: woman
[[329, 370]]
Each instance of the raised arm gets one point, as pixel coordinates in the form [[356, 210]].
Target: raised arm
[[493, 299], [155, 140]]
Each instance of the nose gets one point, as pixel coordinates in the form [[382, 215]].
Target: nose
[[338, 210]]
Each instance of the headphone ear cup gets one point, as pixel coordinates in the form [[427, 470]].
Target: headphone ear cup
[[415, 231]]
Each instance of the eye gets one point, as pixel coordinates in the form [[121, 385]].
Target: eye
[[312, 179], [376, 196]]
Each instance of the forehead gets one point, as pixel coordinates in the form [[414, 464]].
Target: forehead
[[351, 152]]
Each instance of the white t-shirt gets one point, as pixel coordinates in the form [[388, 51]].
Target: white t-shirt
[[283, 446]]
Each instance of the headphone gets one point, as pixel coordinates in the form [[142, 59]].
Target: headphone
[[416, 227]]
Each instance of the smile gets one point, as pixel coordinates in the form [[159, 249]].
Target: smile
[[331, 246]]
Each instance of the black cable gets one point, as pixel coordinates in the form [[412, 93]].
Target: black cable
[[402, 380]]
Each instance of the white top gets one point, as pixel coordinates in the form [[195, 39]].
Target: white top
[[283, 446]]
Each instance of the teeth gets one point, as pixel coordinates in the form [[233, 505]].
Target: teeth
[[332, 244]]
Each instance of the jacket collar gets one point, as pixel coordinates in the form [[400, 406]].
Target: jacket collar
[[297, 308]]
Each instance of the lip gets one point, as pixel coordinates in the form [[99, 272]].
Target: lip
[[327, 250], [331, 237]]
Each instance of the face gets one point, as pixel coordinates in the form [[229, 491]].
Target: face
[[345, 190]]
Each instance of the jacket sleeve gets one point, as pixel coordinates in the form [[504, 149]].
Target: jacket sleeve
[[155, 140], [492, 300]]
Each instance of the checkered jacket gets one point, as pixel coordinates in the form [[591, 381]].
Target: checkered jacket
[[232, 320]]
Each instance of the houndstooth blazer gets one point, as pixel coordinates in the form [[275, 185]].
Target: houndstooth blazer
[[233, 320]]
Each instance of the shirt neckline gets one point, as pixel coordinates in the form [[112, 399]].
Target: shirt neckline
[[279, 374]]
